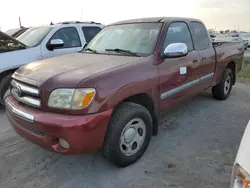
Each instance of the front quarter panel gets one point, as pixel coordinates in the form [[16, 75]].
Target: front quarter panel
[[115, 85], [15, 59]]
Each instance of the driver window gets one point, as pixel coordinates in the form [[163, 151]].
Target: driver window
[[178, 32], [69, 35]]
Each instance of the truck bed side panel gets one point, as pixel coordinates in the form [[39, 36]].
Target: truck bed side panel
[[225, 54]]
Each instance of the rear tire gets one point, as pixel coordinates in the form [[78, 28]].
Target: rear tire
[[223, 89], [128, 134], [4, 86]]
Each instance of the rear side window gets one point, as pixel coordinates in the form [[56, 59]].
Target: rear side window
[[201, 36], [178, 32], [90, 32], [69, 35]]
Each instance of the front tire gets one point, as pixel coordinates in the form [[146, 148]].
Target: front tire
[[4, 86], [224, 88], [128, 134]]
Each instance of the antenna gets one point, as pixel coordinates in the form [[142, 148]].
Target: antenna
[[81, 15], [20, 24]]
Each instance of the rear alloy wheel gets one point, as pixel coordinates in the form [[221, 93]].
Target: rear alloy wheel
[[227, 85], [128, 134], [223, 89]]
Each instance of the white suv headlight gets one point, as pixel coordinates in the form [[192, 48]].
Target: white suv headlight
[[241, 178], [71, 98]]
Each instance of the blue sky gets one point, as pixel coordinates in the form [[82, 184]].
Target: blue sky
[[221, 14]]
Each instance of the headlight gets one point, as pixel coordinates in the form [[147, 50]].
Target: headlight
[[241, 179], [71, 98]]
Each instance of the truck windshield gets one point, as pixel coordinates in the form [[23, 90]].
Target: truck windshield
[[34, 36], [137, 38]]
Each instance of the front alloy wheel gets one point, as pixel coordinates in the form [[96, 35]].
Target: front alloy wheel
[[128, 134], [132, 137]]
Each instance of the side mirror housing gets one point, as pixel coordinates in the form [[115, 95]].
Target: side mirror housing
[[55, 43], [175, 50]]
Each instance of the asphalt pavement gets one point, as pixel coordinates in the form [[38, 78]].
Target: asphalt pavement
[[196, 147]]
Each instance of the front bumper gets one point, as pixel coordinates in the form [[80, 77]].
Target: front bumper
[[83, 133]]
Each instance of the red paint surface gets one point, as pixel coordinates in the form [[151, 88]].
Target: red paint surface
[[83, 133]]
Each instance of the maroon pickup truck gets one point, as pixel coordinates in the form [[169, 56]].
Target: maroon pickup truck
[[109, 95]]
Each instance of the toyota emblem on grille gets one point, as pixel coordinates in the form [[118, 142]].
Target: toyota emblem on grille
[[17, 91]]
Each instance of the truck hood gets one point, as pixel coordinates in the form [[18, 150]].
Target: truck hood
[[18, 58], [243, 154], [8, 43], [70, 70]]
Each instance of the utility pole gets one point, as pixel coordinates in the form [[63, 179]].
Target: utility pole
[[20, 24]]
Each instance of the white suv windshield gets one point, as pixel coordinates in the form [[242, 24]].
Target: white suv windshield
[[138, 38], [34, 36]]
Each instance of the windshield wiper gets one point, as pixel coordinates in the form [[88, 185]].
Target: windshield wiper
[[122, 51], [92, 50]]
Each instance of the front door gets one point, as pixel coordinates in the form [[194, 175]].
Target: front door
[[71, 39], [177, 75]]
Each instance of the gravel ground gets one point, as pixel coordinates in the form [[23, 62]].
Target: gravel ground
[[196, 147]]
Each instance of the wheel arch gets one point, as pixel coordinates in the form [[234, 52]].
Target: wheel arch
[[6, 72], [231, 65], [145, 100]]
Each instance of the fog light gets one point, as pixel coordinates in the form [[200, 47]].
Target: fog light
[[64, 143]]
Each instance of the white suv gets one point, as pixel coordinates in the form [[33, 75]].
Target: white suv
[[42, 42]]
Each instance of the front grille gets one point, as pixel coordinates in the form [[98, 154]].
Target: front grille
[[26, 94]]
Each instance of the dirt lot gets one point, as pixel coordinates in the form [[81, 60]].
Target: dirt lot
[[196, 147]]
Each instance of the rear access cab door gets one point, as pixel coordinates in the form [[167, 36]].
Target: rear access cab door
[[207, 59]]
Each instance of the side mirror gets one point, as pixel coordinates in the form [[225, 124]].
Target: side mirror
[[55, 43], [175, 50]]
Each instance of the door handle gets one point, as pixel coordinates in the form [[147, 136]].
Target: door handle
[[195, 60]]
